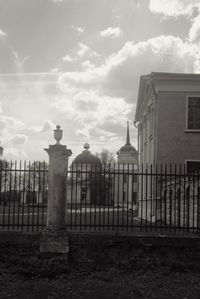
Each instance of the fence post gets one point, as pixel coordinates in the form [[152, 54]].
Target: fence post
[[55, 237]]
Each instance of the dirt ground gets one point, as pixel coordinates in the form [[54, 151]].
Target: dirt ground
[[32, 278]]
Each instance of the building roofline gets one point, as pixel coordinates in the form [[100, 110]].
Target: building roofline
[[154, 78]]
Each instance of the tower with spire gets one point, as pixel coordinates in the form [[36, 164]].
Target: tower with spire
[[127, 153], [126, 181]]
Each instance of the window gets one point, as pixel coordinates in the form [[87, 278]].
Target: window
[[193, 166], [193, 117]]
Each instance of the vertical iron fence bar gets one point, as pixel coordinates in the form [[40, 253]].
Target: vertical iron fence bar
[[133, 179], [113, 199], [188, 202], [128, 199], [96, 195], [166, 195], [123, 195], [9, 196], [180, 198], [13, 195], [184, 177], [19, 192], [39, 194], [175, 199], [76, 194], [44, 182], [170, 196], [141, 199], [146, 195], [151, 195], [161, 197], [193, 200], [109, 196], [118, 195], [85, 192], [156, 195], [198, 197], [23, 194], [29, 189], [100, 194], [70, 182], [92, 171], [1, 197], [104, 195], [33, 196], [4, 191], [81, 196]]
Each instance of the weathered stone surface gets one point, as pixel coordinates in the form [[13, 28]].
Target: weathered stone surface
[[58, 165], [54, 241]]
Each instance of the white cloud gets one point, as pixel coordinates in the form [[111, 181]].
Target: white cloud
[[194, 33], [46, 127], [87, 64], [1, 109], [67, 58], [2, 33], [173, 8], [11, 137], [55, 70], [84, 50], [18, 139], [14, 153], [112, 32], [90, 110], [120, 73], [79, 29]]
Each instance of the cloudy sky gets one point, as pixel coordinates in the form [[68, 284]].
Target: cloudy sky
[[77, 63]]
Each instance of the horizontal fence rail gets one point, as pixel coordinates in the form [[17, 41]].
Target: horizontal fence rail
[[23, 195], [120, 197], [117, 197]]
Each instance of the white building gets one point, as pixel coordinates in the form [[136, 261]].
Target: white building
[[125, 178]]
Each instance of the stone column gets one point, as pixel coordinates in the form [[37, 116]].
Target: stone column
[[55, 238]]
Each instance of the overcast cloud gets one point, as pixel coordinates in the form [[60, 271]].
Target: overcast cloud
[[78, 64]]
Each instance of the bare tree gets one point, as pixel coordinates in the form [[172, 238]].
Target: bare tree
[[106, 157]]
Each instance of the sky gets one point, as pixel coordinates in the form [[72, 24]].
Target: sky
[[77, 63]]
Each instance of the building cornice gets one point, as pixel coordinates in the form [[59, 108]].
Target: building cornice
[[152, 84]]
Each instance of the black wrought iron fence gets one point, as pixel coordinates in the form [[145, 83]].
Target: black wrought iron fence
[[122, 198], [117, 197], [23, 195]]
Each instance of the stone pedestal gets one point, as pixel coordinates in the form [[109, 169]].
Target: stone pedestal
[[54, 241], [55, 238]]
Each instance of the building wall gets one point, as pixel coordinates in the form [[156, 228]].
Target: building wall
[[174, 144], [125, 186], [146, 134]]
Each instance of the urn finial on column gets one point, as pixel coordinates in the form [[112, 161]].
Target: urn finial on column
[[58, 134]]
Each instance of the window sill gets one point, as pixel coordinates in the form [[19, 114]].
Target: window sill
[[192, 130]]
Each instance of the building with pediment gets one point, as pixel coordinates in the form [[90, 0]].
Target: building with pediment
[[168, 119]]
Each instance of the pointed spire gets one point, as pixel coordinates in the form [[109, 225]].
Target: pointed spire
[[127, 135]]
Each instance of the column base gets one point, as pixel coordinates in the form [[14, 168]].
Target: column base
[[54, 241]]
